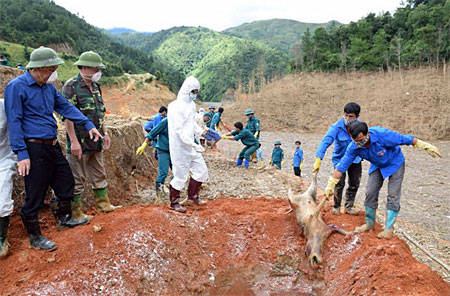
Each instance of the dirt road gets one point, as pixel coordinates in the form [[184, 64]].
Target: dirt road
[[425, 212]]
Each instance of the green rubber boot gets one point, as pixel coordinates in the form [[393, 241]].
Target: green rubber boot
[[370, 221], [102, 201], [77, 208]]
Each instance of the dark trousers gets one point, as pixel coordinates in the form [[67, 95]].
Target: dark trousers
[[49, 167], [354, 178], [297, 171], [248, 151]]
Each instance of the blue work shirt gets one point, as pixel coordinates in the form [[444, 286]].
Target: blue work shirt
[[383, 151], [215, 120], [298, 157], [29, 108], [277, 155], [338, 134], [152, 123], [245, 136], [162, 132]]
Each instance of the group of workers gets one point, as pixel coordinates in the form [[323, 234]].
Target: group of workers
[[177, 132]]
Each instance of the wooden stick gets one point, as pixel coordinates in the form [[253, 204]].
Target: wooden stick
[[428, 253]]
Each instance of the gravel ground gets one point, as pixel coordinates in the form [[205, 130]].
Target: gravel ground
[[425, 212]]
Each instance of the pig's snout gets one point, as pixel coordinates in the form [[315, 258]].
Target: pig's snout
[[314, 253]]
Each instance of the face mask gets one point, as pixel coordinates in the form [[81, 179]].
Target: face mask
[[348, 121], [53, 77], [362, 143], [192, 96], [96, 77]]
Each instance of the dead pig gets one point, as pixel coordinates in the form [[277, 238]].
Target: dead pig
[[310, 220]]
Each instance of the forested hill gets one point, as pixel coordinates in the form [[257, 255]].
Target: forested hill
[[418, 33], [281, 34], [221, 62], [37, 23]]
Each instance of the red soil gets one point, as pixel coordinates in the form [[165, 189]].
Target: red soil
[[228, 247]]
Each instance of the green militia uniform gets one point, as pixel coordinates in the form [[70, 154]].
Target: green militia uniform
[[91, 165]]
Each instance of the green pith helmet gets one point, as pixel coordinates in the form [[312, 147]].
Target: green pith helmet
[[249, 112], [277, 143], [90, 59], [212, 107], [43, 57]]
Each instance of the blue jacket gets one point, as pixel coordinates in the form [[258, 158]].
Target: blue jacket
[[215, 120], [338, 134], [29, 108], [245, 136], [152, 123], [162, 132], [298, 157], [384, 151], [277, 155]]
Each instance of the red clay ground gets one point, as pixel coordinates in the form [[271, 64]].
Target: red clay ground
[[228, 247]]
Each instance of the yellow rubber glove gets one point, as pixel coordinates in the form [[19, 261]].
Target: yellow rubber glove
[[430, 149], [301, 165], [270, 161], [225, 137], [256, 134], [141, 149], [316, 167], [282, 163], [330, 186]]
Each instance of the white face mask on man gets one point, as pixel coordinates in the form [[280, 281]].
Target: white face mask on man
[[53, 77], [96, 77]]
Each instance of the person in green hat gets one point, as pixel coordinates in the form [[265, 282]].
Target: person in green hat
[[84, 155], [207, 117], [253, 124], [277, 155], [30, 100]]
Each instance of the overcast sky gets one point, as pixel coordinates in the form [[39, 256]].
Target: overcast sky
[[152, 16]]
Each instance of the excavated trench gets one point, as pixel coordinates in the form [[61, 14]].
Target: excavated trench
[[241, 243]]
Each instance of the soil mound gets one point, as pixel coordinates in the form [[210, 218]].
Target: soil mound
[[413, 101], [228, 247]]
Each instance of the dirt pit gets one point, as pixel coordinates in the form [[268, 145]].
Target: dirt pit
[[227, 247]]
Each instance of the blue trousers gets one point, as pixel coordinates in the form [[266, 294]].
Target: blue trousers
[[277, 163], [163, 165]]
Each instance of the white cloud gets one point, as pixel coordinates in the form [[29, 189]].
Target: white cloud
[[218, 15]]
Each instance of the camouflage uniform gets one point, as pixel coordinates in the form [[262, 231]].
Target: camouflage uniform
[[91, 166]]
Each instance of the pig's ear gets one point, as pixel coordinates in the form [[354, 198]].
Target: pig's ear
[[293, 205]]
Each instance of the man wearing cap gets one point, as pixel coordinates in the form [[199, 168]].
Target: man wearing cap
[[252, 123], [207, 117], [277, 158], [83, 154], [30, 100]]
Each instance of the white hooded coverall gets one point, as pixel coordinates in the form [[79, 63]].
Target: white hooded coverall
[[7, 166], [182, 130]]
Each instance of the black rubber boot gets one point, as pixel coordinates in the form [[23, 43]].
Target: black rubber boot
[[37, 240], [174, 203], [62, 210], [4, 223]]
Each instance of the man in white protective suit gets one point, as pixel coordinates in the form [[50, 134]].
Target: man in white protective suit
[[185, 153], [7, 170]]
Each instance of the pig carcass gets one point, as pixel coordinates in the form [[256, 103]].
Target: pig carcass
[[310, 220]]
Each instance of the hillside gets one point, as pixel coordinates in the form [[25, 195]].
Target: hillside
[[414, 101], [221, 62], [39, 22], [281, 34]]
